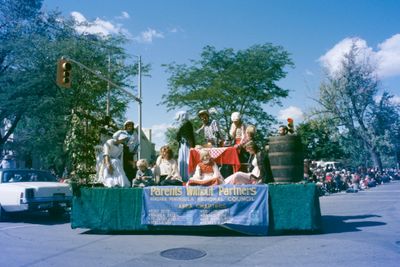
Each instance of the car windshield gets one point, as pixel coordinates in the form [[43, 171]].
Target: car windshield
[[15, 176]]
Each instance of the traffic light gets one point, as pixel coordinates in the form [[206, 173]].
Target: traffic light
[[64, 73]]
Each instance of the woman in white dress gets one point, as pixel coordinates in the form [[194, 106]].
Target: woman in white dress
[[257, 169], [112, 172]]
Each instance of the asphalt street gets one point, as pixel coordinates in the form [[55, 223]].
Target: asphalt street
[[359, 229]]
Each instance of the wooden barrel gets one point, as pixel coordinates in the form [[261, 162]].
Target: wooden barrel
[[286, 158]]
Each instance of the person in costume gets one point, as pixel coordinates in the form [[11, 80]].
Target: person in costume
[[237, 130], [207, 172], [112, 172], [210, 128], [239, 136], [186, 140], [258, 171], [130, 149]]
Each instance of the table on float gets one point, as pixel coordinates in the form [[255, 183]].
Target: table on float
[[221, 155], [291, 207]]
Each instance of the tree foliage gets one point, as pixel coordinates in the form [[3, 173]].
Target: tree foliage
[[55, 126], [321, 140], [349, 99], [229, 81]]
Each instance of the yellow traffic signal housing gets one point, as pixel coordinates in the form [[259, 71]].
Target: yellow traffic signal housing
[[64, 73]]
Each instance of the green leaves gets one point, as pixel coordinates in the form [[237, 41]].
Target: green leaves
[[230, 81], [320, 140], [56, 127], [349, 99]]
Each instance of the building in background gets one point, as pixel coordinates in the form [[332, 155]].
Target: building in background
[[148, 148]]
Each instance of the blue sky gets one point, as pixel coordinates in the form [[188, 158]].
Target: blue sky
[[315, 32]]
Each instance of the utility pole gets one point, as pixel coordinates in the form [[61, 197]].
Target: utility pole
[[108, 86], [140, 106]]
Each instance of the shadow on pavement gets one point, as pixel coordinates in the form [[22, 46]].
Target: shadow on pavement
[[187, 230], [38, 218], [341, 224], [330, 225]]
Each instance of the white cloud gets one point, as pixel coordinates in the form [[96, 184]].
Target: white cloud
[[395, 100], [309, 73], [175, 30], [291, 112], [389, 56], [78, 17], [332, 60], [386, 57], [124, 15], [98, 26], [104, 28], [148, 36]]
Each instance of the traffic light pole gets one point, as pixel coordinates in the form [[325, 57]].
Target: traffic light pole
[[137, 99]]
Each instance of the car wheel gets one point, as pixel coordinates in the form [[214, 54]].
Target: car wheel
[[56, 212], [3, 214]]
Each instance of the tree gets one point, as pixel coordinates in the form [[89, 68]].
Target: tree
[[349, 99], [56, 125], [229, 81], [386, 125], [320, 139], [17, 20]]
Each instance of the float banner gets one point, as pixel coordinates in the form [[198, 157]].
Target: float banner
[[226, 205]]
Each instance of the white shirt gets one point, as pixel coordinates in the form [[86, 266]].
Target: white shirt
[[7, 164], [256, 170], [206, 176], [167, 167]]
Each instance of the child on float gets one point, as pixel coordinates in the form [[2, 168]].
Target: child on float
[[207, 172], [144, 175]]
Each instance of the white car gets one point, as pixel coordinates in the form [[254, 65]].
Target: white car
[[32, 190]]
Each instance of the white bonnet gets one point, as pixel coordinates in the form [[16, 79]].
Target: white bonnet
[[235, 116], [128, 122], [181, 116], [120, 135]]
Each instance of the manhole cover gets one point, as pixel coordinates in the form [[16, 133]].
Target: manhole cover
[[183, 253]]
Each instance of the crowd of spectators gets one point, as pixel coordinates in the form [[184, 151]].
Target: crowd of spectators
[[349, 180]]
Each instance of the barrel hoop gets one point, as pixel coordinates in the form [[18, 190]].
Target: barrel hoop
[[277, 154], [286, 167]]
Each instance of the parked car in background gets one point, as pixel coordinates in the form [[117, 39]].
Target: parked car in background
[[24, 190], [327, 165]]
